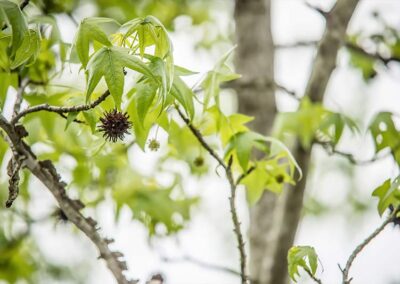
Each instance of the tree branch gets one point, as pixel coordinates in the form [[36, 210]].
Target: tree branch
[[202, 264], [60, 110], [316, 280], [361, 246], [47, 174], [20, 95], [287, 212], [350, 157], [232, 198]]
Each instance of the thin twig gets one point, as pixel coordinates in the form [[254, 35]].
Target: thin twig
[[232, 198], [203, 264], [350, 157], [60, 110], [20, 96], [316, 280], [242, 176], [361, 246]]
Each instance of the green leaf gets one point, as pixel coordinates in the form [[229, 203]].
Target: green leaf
[[297, 257], [220, 73], [109, 62], [184, 96], [70, 118], [14, 18], [28, 50], [90, 30], [388, 194], [7, 80], [154, 205], [242, 144], [144, 97], [215, 122]]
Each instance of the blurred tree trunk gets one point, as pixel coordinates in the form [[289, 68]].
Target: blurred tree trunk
[[274, 220], [255, 62]]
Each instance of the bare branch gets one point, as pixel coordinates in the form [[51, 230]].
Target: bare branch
[[297, 44], [202, 264], [13, 168], [318, 10], [60, 110], [19, 97], [47, 174], [316, 280], [350, 157], [361, 246], [232, 198], [261, 84]]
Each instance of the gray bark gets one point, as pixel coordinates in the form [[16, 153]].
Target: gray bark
[[274, 221], [255, 62]]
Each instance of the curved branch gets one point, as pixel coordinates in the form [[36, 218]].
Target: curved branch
[[232, 198], [47, 174], [361, 246], [60, 110]]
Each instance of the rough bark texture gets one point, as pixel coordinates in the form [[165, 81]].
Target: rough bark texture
[[274, 221], [47, 174], [255, 61]]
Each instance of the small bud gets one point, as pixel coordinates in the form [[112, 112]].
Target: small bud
[[154, 145], [280, 178], [199, 161]]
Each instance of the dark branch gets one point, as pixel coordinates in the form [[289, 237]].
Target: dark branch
[[47, 174], [232, 198], [350, 157], [361, 246], [60, 110]]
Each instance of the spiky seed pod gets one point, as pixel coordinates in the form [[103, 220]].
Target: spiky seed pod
[[154, 145], [115, 125]]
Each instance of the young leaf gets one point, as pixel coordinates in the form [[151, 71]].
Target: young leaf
[[14, 17], [388, 194], [109, 62], [385, 134], [220, 73], [28, 50], [297, 257], [242, 144], [184, 95], [90, 30]]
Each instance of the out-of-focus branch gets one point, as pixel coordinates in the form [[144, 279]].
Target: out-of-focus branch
[[47, 174], [360, 247], [60, 110], [350, 157], [203, 264], [232, 198], [297, 44], [261, 84], [289, 206], [314, 278]]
